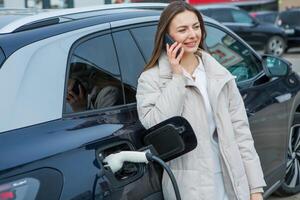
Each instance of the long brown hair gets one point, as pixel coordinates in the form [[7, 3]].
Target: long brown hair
[[166, 17]]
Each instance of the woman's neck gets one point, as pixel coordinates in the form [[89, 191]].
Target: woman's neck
[[189, 62]]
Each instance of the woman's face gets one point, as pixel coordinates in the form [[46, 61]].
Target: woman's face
[[185, 28]]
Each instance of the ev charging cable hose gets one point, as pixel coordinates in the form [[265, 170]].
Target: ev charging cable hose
[[115, 162]]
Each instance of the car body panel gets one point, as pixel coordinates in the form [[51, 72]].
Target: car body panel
[[28, 92]]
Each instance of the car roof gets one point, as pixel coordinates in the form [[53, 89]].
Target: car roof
[[44, 26], [10, 15], [216, 6], [22, 19]]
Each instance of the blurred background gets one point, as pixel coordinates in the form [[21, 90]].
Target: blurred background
[[249, 5]]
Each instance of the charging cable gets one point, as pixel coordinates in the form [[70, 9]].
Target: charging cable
[[115, 162]]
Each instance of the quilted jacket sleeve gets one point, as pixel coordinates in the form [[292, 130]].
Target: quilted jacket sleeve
[[156, 103], [244, 139]]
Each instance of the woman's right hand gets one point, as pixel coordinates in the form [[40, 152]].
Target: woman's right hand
[[78, 102], [175, 61]]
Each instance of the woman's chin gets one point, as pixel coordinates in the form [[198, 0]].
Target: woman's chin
[[190, 50]]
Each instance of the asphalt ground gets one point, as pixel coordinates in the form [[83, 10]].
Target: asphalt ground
[[292, 56]]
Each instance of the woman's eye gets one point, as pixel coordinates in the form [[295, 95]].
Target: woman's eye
[[196, 27], [181, 30]]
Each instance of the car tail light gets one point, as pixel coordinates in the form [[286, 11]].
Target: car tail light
[[10, 195], [22, 189]]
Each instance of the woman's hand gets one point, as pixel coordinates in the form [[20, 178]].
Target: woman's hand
[[256, 196], [175, 61], [77, 102]]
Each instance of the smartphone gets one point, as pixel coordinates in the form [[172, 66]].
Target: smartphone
[[75, 88], [169, 40]]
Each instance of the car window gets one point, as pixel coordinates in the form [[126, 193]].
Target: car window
[[268, 17], [221, 15], [93, 77], [290, 18], [232, 54], [241, 17], [131, 62], [144, 36]]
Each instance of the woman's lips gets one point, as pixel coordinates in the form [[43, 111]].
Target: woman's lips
[[190, 44]]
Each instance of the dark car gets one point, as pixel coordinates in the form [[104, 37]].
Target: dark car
[[265, 16], [261, 36], [49, 151], [288, 20]]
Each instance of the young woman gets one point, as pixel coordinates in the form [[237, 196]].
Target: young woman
[[192, 84]]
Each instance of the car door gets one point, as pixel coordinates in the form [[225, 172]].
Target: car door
[[267, 112], [94, 64]]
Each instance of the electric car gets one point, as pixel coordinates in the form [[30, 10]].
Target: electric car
[[53, 148]]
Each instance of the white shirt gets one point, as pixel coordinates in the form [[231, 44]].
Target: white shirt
[[199, 78]]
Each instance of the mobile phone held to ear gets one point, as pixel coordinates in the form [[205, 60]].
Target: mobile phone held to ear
[[75, 88], [169, 40]]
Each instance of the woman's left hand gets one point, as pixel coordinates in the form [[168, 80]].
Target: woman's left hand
[[256, 196]]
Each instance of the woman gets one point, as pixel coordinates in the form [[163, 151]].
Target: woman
[[192, 84], [90, 89]]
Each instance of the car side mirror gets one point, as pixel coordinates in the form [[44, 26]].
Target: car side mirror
[[275, 66], [171, 138]]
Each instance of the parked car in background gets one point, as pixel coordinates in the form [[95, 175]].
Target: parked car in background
[[49, 150], [260, 36], [288, 20], [265, 16]]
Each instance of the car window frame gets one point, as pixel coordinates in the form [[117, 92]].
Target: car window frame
[[92, 112], [128, 28]]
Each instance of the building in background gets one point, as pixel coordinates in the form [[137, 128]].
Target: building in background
[[286, 4], [53, 3]]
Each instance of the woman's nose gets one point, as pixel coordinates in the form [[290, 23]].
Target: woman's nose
[[192, 33]]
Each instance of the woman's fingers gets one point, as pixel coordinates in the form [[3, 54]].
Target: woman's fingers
[[175, 51], [72, 97], [178, 58]]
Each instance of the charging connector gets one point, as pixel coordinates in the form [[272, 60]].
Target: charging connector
[[115, 162]]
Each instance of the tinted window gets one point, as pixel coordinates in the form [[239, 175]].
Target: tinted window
[[99, 51], [144, 36], [270, 18], [206, 12], [290, 18], [241, 17], [94, 77], [232, 54], [221, 15], [131, 62]]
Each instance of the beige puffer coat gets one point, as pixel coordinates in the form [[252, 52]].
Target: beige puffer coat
[[161, 95]]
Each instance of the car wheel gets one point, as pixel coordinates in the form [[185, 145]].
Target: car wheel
[[291, 184], [275, 46]]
